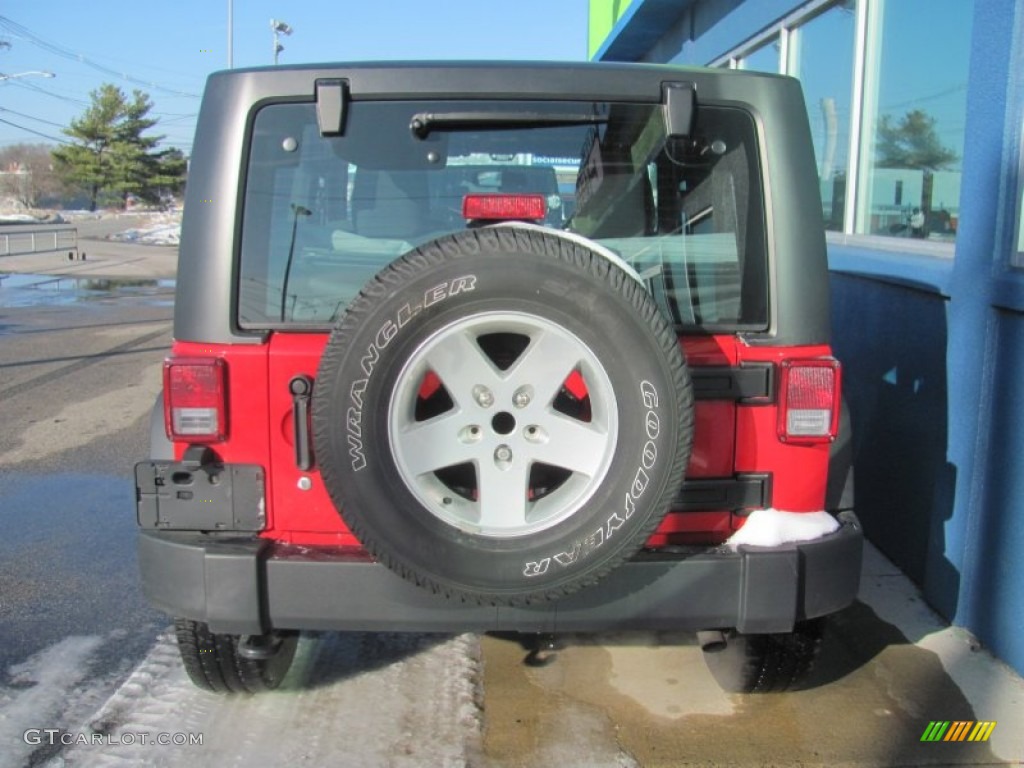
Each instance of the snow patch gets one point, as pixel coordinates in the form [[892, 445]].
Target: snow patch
[[39, 695], [394, 700], [164, 229], [167, 234], [773, 527]]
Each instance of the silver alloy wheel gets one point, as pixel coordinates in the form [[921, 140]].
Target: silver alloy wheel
[[527, 461]]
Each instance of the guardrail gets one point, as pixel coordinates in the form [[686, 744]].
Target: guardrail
[[19, 240]]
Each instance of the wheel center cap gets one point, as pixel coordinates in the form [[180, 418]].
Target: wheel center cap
[[503, 423]]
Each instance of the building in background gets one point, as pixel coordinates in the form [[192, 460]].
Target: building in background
[[916, 110]]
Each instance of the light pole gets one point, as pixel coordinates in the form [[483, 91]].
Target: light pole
[[279, 27], [231, 31], [26, 74]]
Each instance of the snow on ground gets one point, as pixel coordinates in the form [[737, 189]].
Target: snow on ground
[[44, 692], [395, 700], [164, 229]]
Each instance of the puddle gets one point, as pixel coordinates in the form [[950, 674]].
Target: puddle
[[870, 699], [18, 290]]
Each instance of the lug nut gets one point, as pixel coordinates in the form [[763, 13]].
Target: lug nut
[[483, 396], [521, 398]]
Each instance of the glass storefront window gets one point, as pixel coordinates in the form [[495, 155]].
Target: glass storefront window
[[763, 59], [915, 85], [1018, 256], [821, 55]]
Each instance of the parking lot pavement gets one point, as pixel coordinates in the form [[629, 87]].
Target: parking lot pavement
[[889, 668], [103, 259]]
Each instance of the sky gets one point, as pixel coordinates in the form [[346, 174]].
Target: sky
[[168, 49]]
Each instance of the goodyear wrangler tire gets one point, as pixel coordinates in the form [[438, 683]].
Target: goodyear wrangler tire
[[502, 416]]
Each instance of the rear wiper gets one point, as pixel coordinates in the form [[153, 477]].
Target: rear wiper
[[421, 123]]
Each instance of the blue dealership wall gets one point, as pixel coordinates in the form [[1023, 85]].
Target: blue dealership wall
[[896, 388], [933, 348], [986, 337]]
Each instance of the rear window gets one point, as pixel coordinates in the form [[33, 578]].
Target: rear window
[[323, 214]]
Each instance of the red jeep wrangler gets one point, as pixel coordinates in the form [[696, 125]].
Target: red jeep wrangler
[[534, 348]]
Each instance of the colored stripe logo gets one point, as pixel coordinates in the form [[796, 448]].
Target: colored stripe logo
[[958, 730]]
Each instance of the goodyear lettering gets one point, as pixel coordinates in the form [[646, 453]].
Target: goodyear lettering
[[538, 568], [581, 548], [649, 455], [614, 523], [648, 458], [629, 507], [593, 541], [570, 557], [653, 425], [639, 483], [648, 394]]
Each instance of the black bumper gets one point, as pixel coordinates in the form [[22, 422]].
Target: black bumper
[[247, 585]]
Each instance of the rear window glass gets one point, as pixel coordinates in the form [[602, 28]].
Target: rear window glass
[[323, 214]]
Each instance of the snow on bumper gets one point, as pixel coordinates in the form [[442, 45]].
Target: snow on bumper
[[774, 527]]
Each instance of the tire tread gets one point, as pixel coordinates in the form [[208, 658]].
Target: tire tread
[[212, 661]]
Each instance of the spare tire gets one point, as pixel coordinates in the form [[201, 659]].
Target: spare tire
[[502, 416]]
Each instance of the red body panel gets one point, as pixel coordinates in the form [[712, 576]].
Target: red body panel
[[799, 472], [713, 448], [729, 438], [309, 512]]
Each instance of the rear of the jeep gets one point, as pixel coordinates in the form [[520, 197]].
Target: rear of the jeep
[[410, 391]]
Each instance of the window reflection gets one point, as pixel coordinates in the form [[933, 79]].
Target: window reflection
[[914, 114], [822, 57]]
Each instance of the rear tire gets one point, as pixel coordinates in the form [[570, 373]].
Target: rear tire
[[214, 664], [765, 663]]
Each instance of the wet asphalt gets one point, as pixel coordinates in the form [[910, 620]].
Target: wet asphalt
[[77, 363]]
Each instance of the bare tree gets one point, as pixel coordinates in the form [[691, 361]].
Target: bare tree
[[27, 175]]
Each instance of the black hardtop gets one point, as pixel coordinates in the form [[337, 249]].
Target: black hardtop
[[798, 275]]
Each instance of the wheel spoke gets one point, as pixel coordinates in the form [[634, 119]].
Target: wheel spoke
[[546, 364], [461, 364], [434, 444], [502, 423], [502, 493], [573, 445]]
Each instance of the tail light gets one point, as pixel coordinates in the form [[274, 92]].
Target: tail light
[[809, 399], [195, 399], [503, 207]]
